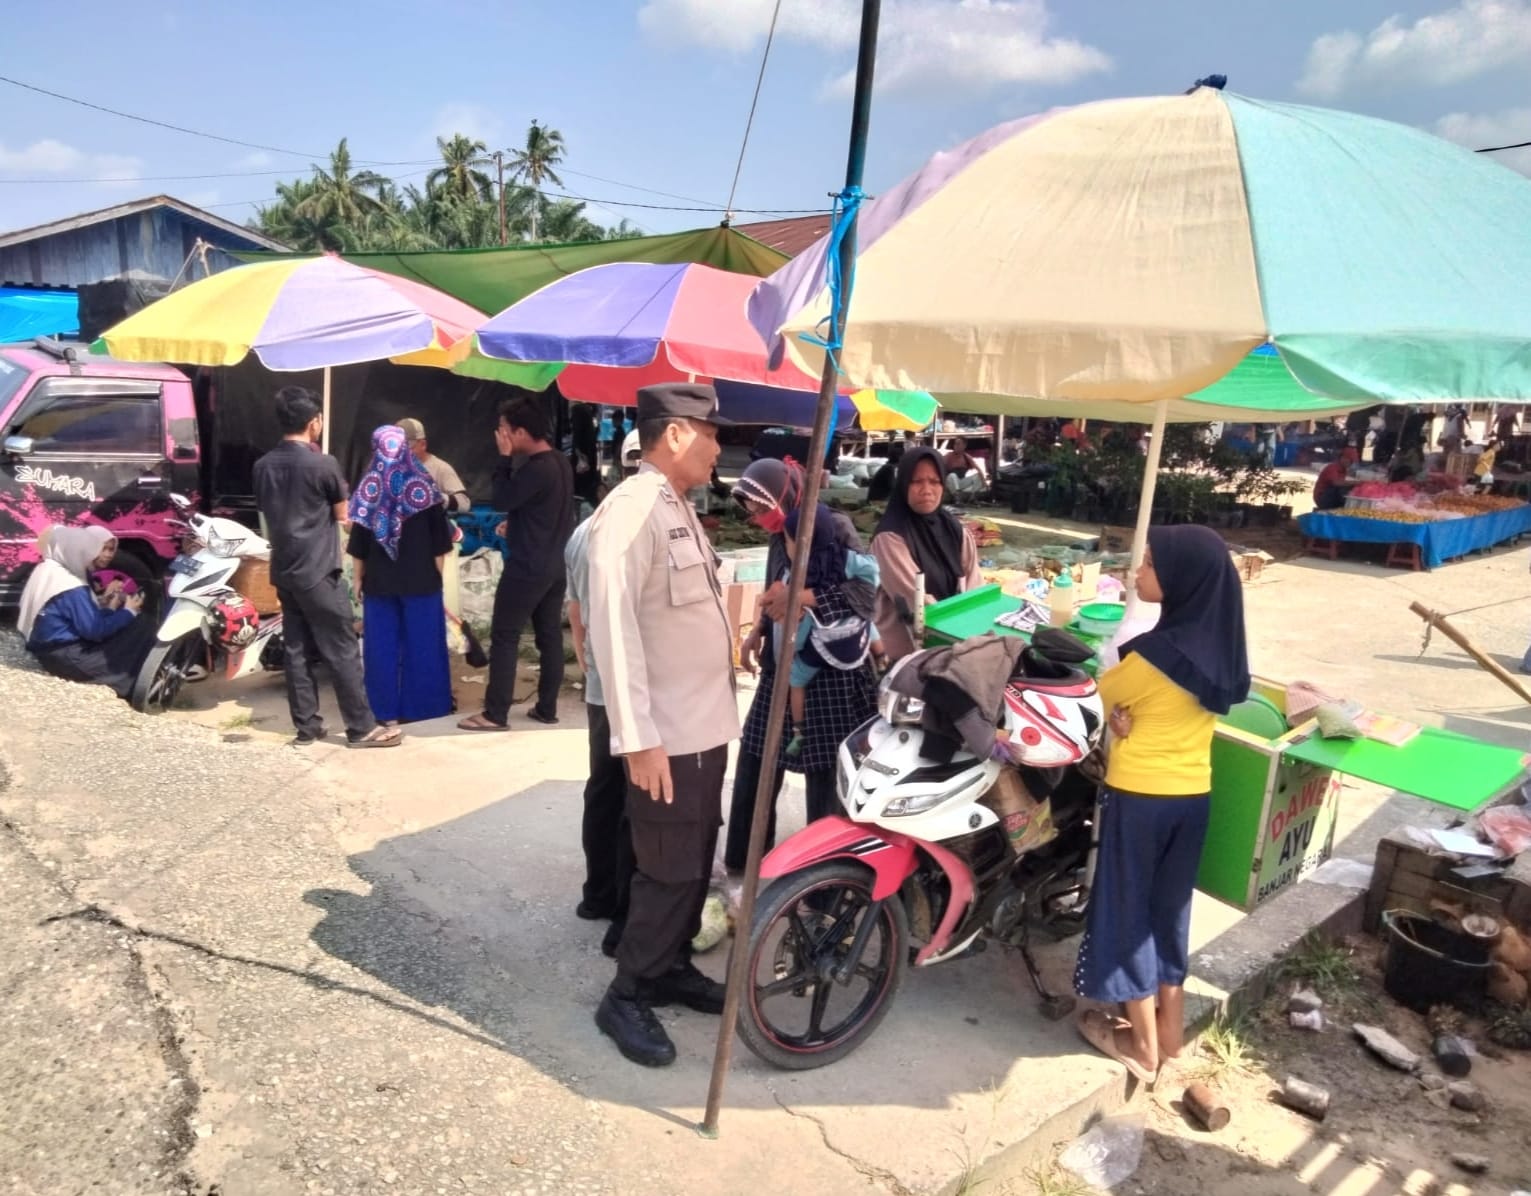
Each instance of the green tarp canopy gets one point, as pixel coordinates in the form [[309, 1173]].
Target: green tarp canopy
[[492, 279]]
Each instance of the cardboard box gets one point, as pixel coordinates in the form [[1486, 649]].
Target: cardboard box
[[741, 602]]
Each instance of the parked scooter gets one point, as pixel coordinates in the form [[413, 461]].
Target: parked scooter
[[208, 621], [931, 852]]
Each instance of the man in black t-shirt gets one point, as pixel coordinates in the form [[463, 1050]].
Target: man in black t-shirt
[[534, 486], [302, 495]]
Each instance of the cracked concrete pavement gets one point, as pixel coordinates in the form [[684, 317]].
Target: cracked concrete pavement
[[242, 968], [365, 972]]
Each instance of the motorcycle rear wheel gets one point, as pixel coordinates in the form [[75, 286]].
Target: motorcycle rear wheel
[[167, 667], [804, 927]]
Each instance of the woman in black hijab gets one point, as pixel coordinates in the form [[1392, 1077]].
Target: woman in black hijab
[[1163, 699], [917, 536]]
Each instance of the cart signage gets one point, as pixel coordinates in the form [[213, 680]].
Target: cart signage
[[1299, 833]]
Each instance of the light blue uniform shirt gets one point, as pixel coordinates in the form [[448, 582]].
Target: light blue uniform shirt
[[576, 559]]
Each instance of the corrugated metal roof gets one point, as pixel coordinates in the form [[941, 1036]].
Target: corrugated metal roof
[[787, 236], [22, 235]]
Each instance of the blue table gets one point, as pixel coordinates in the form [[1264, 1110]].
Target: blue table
[[1438, 542]]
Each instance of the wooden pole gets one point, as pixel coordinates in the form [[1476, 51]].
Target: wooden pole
[[738, 960], [1435, 619]]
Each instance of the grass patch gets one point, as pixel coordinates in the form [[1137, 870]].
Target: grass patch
[[235, 721], [1329, 967], [1053, 1180], [1225, 1046]]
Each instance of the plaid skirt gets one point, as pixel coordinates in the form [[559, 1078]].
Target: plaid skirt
[[836, 702]]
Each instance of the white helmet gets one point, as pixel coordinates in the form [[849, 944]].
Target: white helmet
[[632, 452]]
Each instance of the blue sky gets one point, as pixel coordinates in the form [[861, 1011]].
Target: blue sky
[[654, 93]]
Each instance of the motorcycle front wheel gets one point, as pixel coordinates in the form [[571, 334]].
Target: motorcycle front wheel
[[795, 1013], [167, 667]]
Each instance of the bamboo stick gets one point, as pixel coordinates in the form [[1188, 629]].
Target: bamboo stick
[[1435, 619]]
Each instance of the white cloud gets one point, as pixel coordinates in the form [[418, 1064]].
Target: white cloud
[[923, 45], [52, 157], [41, 157], [471, 120], [1477, 130], [1461, 43], [254, 160]]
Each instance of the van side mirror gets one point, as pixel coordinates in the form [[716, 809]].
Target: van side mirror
[[18, 446]]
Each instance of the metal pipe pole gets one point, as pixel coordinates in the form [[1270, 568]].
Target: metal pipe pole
[[1146, 503], [738, 960]]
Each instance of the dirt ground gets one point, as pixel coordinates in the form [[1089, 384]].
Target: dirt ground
[[1384, 1135]]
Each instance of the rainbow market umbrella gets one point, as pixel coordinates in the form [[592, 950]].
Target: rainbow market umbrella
[[1134, 254], [1137, 250], [299, 314], [606, 331]]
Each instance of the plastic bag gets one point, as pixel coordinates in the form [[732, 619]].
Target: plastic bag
[[1347, 874], [478, 577], [1109, 1153], [1508, 828]]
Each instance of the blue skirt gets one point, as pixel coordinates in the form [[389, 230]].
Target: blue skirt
[[1137, 933], [404, 657]]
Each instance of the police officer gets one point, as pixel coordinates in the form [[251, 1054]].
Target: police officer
[[660, 638]]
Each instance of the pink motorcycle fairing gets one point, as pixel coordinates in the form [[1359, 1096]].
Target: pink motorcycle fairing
[[892, 857]]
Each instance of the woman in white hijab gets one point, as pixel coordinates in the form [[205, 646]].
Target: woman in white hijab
[[73, 633]]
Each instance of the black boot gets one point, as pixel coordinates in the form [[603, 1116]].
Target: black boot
[[628, 1020], [685, 985], [613, 936]]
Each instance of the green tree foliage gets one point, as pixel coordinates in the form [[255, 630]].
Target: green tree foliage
[[347, 210]]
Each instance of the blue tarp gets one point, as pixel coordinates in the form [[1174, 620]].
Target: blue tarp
[[26, 313], [1439, 542]]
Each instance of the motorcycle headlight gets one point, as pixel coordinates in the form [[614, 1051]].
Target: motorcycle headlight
[[899, 709], [903, 807]]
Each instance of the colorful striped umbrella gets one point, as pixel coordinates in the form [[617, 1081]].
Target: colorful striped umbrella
[[299, 314], [1137, 250], [606, 331]]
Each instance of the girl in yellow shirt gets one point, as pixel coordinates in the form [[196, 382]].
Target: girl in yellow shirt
[[1163, 699]]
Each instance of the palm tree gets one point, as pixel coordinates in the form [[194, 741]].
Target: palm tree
[[535, 163], [564, 221], [346, 195], [461, 158], [295, 220]]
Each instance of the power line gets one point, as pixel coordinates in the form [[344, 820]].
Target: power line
[[633, 186], [149, 120], [173, 178], [1494, 149], [754, 100]]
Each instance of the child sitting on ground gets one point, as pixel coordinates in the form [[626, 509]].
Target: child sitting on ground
[[846, 643]]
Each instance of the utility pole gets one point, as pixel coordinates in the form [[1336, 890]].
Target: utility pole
[[499, 167]]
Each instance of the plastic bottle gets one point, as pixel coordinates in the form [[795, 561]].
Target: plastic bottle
[[1061, 599]]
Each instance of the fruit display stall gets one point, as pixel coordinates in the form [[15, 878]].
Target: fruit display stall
[[1424, 525]]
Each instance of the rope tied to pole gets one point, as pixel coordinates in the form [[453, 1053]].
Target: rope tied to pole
[[842, 224]]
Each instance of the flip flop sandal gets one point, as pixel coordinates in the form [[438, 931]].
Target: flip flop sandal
[[1096, 1029], [378, 737], [477, 722]]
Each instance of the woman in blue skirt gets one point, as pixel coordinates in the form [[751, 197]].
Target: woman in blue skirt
[[1163, 698], [400, 537]]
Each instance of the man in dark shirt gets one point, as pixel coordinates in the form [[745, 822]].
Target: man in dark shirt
[[302, 495], [534, 486]]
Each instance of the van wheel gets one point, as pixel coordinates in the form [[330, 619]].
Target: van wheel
[[166, 669]]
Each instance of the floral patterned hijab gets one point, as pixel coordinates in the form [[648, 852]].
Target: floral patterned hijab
[[394, 487]]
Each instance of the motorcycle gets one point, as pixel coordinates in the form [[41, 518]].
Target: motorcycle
[[208, 619], [923, 856]]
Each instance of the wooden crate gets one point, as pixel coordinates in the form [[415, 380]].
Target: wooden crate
[[1408, 877], [253, 580]]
